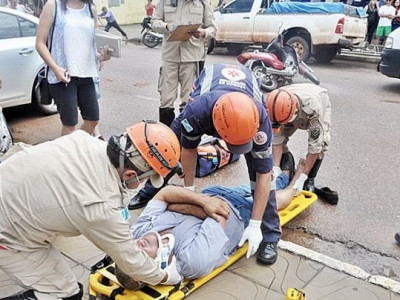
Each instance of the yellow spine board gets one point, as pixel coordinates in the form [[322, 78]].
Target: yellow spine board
[[96, 287]]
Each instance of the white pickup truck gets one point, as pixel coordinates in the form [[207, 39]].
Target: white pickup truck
[[318, 29]]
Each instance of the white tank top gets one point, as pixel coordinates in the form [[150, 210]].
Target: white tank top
[[78, 43]]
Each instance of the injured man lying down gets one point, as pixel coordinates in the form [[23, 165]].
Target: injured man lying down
[[196, 231]]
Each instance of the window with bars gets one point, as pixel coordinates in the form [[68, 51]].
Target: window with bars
[[113, 3]]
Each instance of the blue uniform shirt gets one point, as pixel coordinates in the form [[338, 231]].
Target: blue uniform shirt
[[196, 119]]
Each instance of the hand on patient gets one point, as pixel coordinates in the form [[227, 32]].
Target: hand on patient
[[215, 207], [253, 235]]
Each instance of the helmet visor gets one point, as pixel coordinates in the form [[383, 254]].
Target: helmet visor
[[240, 149]]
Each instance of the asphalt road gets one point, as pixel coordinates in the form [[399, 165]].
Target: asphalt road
[[363, 163]]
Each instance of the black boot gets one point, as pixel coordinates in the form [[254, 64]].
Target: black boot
[[27, 295], [309, 184], [167, 115], [288, 164], [267, 253]]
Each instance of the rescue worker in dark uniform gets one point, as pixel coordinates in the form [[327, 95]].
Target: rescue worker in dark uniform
[[226, 102]]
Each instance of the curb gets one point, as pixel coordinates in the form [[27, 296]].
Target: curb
[[337, 265]]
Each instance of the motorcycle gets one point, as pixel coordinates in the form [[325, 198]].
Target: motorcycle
[[277, 65], [149, 37]]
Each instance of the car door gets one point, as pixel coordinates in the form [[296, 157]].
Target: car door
[[18, 59], [235, 22]]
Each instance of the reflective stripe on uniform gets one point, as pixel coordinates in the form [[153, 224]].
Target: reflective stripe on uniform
[[207, 81], [253, 186], [257, 94], [262, 154], [191, 138]]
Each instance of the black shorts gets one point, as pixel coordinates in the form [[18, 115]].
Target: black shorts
[[80, 92]]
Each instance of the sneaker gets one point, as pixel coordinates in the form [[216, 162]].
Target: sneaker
[[287, 164], [137, 202]]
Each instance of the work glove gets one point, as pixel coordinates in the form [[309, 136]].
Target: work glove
[[298, 185], [253, 235], [173, 276], [276, 171]]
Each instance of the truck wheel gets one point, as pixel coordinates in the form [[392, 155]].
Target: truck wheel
[[301, 46], [234, 49], [211, 44], [324, 55]]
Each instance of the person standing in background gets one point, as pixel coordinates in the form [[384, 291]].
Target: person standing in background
[[73, 61], [180, 59], [13, 4], [149, 7], [37, 7], [373, 19], [396, 19], [386, 13]]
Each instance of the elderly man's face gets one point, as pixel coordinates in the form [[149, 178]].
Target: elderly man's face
[[149, 244]]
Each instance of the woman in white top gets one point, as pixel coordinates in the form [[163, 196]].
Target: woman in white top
[[68, 26]]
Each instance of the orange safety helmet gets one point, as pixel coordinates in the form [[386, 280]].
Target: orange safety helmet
[[236, 119], [157, 144], [282, 106]]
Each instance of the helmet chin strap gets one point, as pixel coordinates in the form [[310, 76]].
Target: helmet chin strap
[[122, 144], [122, 156]]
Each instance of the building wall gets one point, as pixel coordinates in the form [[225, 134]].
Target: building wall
[[128, 11], [125, 11]]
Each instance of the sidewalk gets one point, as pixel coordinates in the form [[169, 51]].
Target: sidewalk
[[297, 267]]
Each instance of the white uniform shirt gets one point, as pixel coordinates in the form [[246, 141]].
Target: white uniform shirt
[[69, 187]]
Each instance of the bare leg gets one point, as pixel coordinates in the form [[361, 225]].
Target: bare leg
[[96, 131], [67, 129], [89, 126], [283, 197]]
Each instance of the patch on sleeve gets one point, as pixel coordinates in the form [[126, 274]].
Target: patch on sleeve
[[125, 214], [314, 122], [260, 138], [186, 125]]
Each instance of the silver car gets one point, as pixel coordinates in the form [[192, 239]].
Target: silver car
[[20, 64]]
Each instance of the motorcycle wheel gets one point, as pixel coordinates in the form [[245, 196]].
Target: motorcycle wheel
[[149, 40], [267, 84], [312, 77]]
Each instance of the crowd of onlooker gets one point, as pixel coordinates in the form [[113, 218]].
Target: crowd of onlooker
[[383, 15], [32, 7], [383, 18]]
